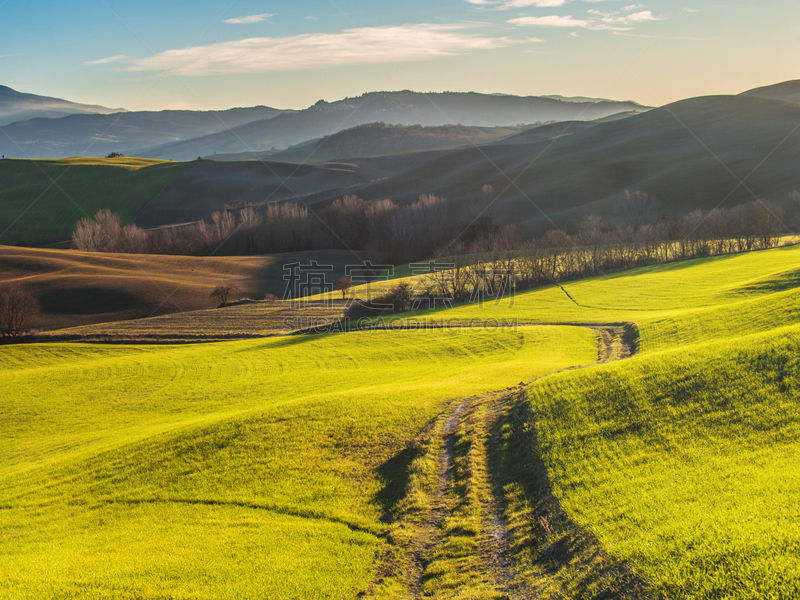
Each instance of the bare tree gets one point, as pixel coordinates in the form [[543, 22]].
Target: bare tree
[[344, 283], [402, 296], [17, 308], [591, 236], [638, 208], [768, 221], [222, 292]]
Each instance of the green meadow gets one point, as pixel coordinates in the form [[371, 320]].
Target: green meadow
[[64, 191], [328, 466], [683, 460], [232, 470], [686, 463]]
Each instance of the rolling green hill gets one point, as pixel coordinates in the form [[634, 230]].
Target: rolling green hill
[[680, 463], [43, 200], [239, 470], [403, 462]]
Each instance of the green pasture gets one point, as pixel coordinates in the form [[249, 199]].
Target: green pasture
[[44, 199], [683, 460], [686, 463], [269, 468], [246, 469], [672, 304]]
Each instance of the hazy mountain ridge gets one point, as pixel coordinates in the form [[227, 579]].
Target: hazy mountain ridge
[[683, 154], [99, 135], [19, 106], [787, 91], [397, 108], [380, 139]]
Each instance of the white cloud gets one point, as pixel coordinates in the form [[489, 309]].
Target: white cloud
[[506, 4], [551, 21], [639, 35], [615, 21], [366, 45], [536, 3], [110, 59], [638, 17], [248, 19]]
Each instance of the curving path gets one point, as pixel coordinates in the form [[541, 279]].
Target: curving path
[[482, 417]]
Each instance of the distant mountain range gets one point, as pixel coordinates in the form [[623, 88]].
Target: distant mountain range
[[397, 108], [691, 154], [17, 106], [185, 135], [100, 135]]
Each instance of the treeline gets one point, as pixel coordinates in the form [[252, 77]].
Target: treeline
[[398, 233], [501, 261], [432, 226]]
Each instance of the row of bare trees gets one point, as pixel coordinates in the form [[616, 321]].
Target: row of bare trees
[[493, 264], [400, 233], [403, 233], [500, 263]]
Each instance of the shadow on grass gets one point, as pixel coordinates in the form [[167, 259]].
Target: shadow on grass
[[395, 474], [279, 342], [780, 282], [542, 533]]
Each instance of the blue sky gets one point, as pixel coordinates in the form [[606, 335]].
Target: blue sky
[[149, 55]]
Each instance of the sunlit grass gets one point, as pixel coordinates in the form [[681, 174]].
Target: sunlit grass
[[261, 468], [686, 463], [153, 470]]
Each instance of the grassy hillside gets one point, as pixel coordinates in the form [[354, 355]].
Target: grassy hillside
[[685, 463], [682, 461], [238, 470], [425, 463], [691, 154], [44, 199]]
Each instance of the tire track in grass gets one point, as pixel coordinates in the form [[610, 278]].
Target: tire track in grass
[[468, 484], [431, 535]]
